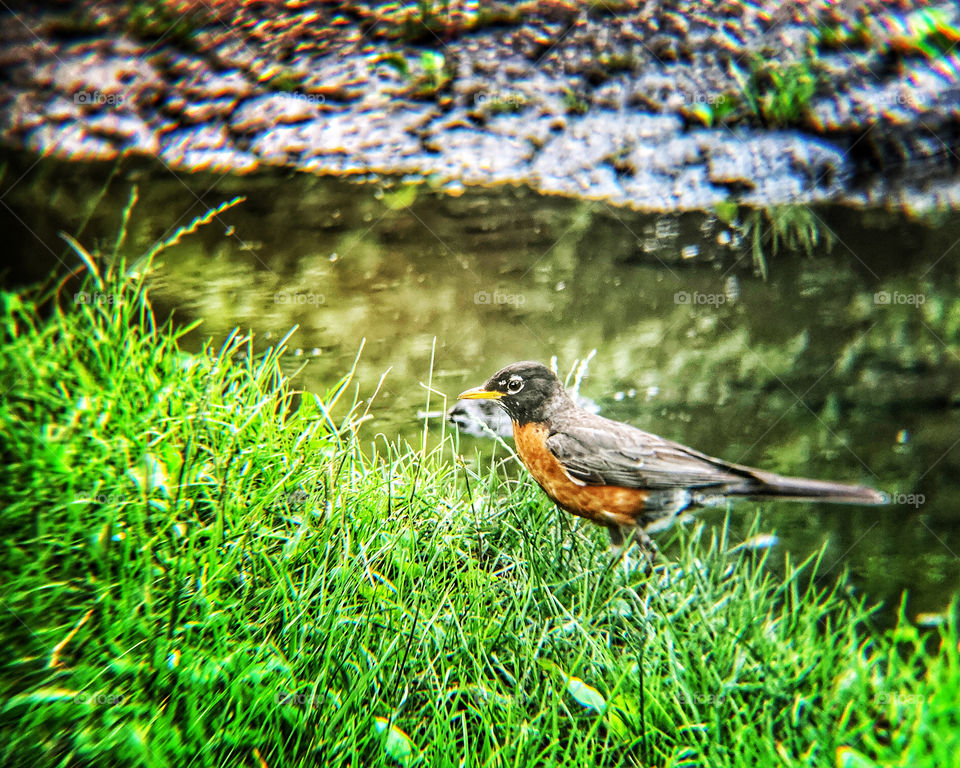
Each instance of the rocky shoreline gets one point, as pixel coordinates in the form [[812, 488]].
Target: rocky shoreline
[[655, 106]]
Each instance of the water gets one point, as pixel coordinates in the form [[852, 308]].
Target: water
[[842, 364]]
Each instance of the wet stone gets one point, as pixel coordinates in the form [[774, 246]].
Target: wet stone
[[206, 111], [94, 79], [70, 141], [201, 137], [22, 113], [204, 148], [477, 156], [60, 108], [20, 53], [263, 112], [206, 86], [277, 146], [125, 130]]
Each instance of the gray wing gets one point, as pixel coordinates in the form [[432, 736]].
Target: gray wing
[[612, 453]]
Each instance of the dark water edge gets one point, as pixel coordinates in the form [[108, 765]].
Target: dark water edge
[[842, 364]]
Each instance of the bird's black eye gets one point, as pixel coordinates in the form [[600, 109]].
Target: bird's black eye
[[514, 385]]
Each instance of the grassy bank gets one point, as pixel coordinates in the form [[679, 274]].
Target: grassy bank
[[196, 572]]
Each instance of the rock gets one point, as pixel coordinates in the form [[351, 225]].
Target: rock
[[264, 112], [70, 141], [23, 113], [206, 111], [20, 53], [202, 85], [578, 104], [205, 148], [207, 137], [281, 144], [60, 109], [477, 157], [96, 80], [126, 131], [797, 167]]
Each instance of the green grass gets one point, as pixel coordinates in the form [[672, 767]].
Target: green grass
[[778, 94], [573, 103], [774, 94], [200, 567], [789, 227], [425, 77], [927, 32]]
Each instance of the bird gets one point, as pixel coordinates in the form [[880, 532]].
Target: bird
[[631, 482]]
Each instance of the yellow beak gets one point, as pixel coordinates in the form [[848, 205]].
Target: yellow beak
[[479, 393]]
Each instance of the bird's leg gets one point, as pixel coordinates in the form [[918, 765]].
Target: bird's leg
[[618, 547], [648, 548], [616, 539]]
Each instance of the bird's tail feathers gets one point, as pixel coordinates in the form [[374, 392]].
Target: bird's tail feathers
[[766, 485]]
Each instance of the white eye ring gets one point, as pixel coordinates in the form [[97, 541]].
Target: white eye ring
[[515, 385]]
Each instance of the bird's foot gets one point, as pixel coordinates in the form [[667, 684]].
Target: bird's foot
[[648, 550]]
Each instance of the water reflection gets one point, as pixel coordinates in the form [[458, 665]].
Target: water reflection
[[841, 365]]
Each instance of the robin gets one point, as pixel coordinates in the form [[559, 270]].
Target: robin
[[618, 476]]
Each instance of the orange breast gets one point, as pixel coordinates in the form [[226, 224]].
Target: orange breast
[[604, 504]]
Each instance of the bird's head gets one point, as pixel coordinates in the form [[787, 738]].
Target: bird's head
[[527, 391]]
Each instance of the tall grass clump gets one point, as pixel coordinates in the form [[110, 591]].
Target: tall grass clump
[[203, 567]]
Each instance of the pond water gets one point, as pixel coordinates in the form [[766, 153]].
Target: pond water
[[842, 364]]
